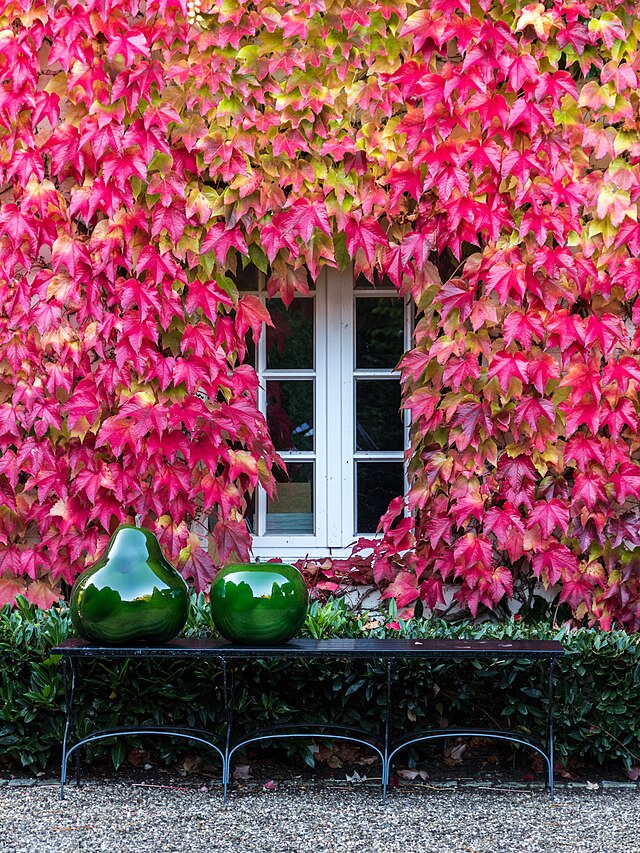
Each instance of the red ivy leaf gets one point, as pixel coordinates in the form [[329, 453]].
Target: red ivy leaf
[[523, 327], [507, 366], [626, 482], [366, 235], [196, 563], [232, 539], [43, 594], [404, 589], [456, 294], [251, 313], [548, 515], [554, 563], [10, 586], [471, 549], [221, 239]]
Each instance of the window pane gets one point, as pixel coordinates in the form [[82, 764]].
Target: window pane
[[250, 357], [379, 332], [246, 278], [291, 511], [250, 513], [290, 343], [363, 283], [378, 420], [377, 483], [290, 413]]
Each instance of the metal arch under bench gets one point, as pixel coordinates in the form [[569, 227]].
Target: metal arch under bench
[[384, 743]]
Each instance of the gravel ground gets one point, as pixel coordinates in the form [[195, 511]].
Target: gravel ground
[[135, 818]]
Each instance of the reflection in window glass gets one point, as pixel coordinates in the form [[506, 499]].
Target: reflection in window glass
[[379, 332], [377, 484], [290, 413], [291, 511], [290, 342], [379, 423]]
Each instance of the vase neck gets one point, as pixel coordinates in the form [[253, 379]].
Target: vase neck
[[131, 545]]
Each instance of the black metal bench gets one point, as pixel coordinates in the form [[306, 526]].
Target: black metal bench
[[384, 744]]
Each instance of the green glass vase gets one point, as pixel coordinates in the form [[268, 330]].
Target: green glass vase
[[258, 603], [131, 595]]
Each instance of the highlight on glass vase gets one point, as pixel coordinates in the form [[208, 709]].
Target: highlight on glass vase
[[131, 594], [258, 603]]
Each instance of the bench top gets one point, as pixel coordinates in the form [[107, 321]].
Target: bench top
[[308, 648]]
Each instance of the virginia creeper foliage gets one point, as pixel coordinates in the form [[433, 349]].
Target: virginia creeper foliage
[[482, 155]]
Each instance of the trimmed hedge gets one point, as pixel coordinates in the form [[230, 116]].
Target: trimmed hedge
[[597, 687]]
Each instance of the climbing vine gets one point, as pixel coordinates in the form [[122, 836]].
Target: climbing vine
[[482, 155]]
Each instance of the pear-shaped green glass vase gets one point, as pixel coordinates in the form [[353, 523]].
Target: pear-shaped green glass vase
[[259, 602], [132, 594]]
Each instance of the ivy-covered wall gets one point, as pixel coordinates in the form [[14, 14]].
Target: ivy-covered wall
[[482, 155]]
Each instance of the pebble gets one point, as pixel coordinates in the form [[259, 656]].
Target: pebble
[[187, 817]]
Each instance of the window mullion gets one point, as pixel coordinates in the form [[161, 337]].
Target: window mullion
[[320, 409], [261, 363], [344, 350], [332, 420], [409, 322]]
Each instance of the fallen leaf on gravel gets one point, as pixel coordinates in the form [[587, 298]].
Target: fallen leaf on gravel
[[632, 773], [269, 786], [412, 774], [355, 777], [592, 786]]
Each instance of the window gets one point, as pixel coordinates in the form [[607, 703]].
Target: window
[[332, 403]]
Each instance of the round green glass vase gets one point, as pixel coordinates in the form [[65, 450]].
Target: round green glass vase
[[259, 603], [131, 595]]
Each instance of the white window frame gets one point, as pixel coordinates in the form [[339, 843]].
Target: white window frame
[[334, 455]]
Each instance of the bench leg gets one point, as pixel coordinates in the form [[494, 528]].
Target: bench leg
[[387, 732], [229, 699], [550, 729], [78, 766], [68, 702]]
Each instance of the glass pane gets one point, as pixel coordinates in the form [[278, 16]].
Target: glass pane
[[250, 513], [291, 511], [379, 332], [290, 413], [377, 484], [378, 420], [290, 343], [250, 357], [246, 278], [363, 283]]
